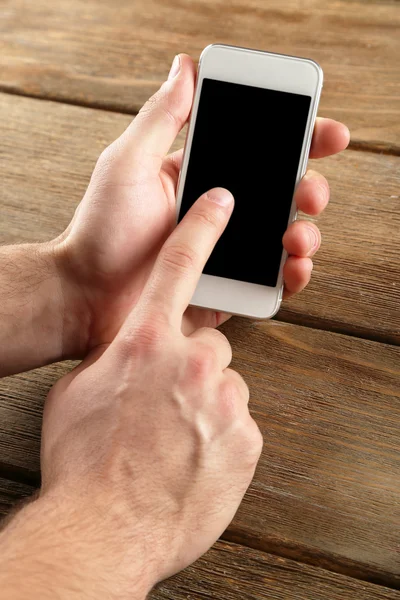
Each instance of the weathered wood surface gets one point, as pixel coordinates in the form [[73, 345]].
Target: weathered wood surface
[[114, 55], [327, 489], [232, 572], [21, 407], [49, 150], [11, 494], [355, 286], [327, 486]]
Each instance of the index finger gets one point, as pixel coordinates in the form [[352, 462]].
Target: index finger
[[181, 261]]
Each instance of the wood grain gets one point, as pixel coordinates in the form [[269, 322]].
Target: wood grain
[[327, 486], [355, 287], [11, 494], [231, 572], [49, 150], [101, 54], [21, 408], [327, 489]]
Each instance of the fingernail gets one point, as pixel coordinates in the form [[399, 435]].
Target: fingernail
[[346, 131], [310, 174], [221, 196], [175, 67], [313, 238]]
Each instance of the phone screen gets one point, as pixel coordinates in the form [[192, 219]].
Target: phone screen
[[248, 140]]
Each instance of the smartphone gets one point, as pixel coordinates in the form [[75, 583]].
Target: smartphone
[[250, 132]]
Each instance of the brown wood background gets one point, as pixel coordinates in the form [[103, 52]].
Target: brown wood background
[[322, 517], [115, 54]]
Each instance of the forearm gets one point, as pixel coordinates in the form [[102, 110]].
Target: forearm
[[35, 326], [28, 559], [50, 551]]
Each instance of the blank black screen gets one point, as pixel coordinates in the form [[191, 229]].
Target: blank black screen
[[248, 140]]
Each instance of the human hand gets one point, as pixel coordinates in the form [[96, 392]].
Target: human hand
[[106, 254], [148, 446]]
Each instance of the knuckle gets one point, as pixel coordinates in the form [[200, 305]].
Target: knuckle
[[109, 163], [230, 398], [240, 384], [170, 115], [244, 390], [148, 334], [144, 340], [161, 103], [200, 364], [217, 334], [206, 219], [324, 188], [213, 339], [229, 395], [252, 440], [179, 258], [256, 438], [151, 104], [106, 157]]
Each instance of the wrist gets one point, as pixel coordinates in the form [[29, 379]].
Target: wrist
[[36, 324], [55, 549], [73, 311]]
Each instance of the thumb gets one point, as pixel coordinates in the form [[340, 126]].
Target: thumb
[[153, 131]]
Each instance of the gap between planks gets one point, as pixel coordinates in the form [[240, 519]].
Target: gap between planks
[[305, 556], [318, 323], [285, 315], [355, 145], [375, 148], [273, 545], [336, 564], [20, 475]]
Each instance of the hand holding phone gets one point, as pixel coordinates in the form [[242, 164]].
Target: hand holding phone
[[253, 115], [105, 255]]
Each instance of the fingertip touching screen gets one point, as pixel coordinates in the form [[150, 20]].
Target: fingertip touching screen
[[248, 140]]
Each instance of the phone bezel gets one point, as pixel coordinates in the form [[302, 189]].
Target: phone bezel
[[271, 71]]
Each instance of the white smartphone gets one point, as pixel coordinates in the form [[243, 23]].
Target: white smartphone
[[250, 132]]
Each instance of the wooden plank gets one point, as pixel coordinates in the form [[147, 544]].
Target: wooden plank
[[233, 572], [49, 150], [96, 53], [21, 407], [11, 493], [355, 286], [327, 485], [327, 489]]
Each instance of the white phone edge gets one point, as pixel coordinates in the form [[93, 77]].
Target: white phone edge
[[219, 293]]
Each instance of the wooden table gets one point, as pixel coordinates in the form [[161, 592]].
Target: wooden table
[[322, 517]]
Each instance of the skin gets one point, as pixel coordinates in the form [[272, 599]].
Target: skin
[[148, 446], [82, 285]]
